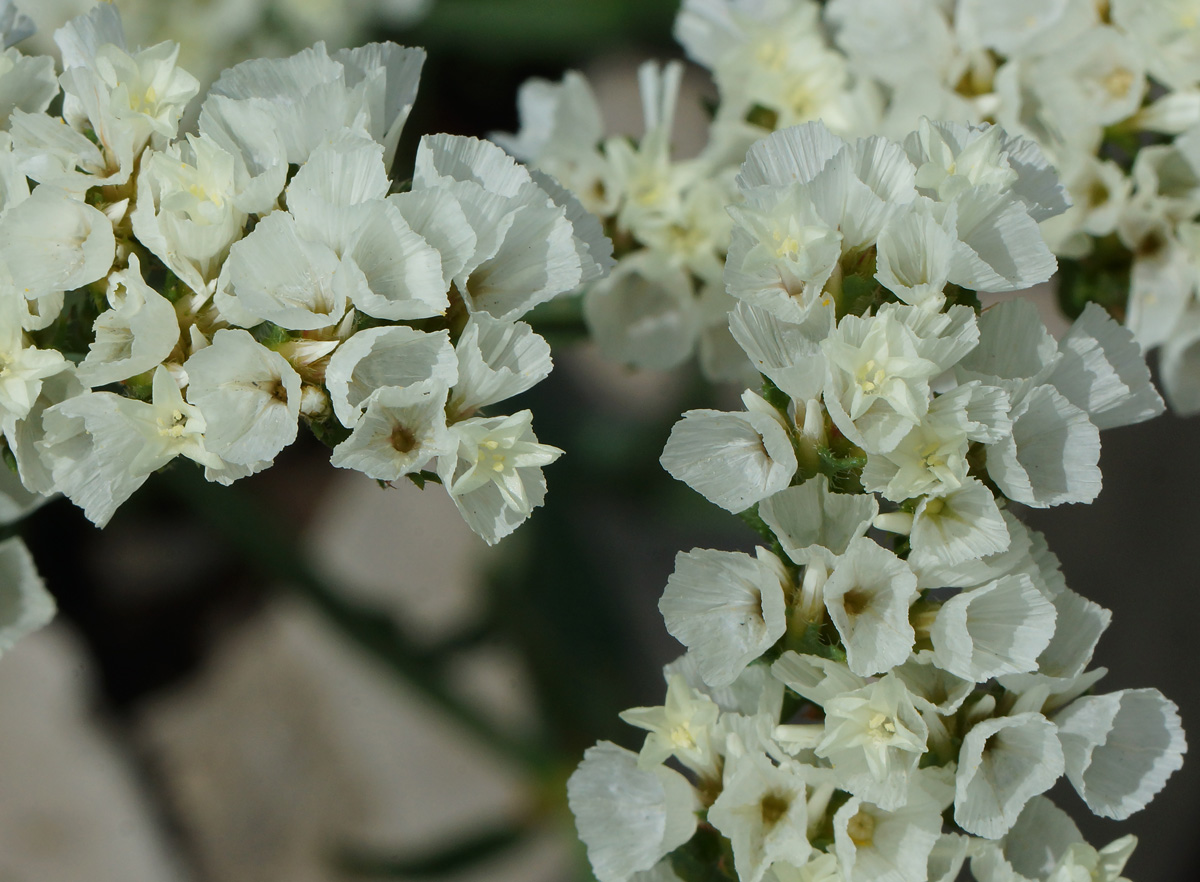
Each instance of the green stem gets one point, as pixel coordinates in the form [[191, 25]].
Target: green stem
[[234, 515]]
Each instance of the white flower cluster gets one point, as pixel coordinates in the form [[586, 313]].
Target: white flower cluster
[[1109, 90], [198, 296], [665, 299], [858, 708]]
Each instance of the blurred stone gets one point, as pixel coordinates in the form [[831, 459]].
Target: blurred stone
[[292, 745], [69, 805]]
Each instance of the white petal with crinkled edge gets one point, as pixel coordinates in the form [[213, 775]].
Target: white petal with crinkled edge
[[536, 262], [260, 163], [328, 194], [594, 248], [443, 158], [645, 313], [868, 595], [1013, 345], [789, 156], [731, 459], [999, 628], [726, 607], [497, 360], [962, 525], [914, 254], [763, 812], [28, 83], [390, 357], [303, 99], [787, 353], [1042, 834], [820, 680], [1104, 373], [1120, 748], [1004, 762], [813, 523], [400, 431], [1079, 623], [1052, 456], [390, 75], [275, 275], [1002, 250], [1179, 365], [135, 335], [402, 271], [874, 845], [628, 817], [947, 857], [436, 217], [25, 604], [931, 687], [754, 691], [53, 242], [250, 397]]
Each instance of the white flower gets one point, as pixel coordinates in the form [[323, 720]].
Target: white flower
[[868, 595], [1120, 748], [627, 816], [645, 313], [874, 845], [682, 727], [1052, 455], [874, 738], [250, 397], [25, 604], [101, 447], [188, 210], [1083, 863], [727, 608], [962, 525], [389, 357], [731, 459], [763, 812], [789, 354], [135, 335], [1003, 763], [23, 368], [53, 242], [877, 386], [494, 475], [1166, 34], [496, 360], [1103, 372], [813, 524], [400, 431], [999, 628]]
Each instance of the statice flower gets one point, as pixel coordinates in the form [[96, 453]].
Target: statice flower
[[170, 295], [934, 664]]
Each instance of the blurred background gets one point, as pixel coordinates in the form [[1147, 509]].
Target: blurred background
[[306, 677]]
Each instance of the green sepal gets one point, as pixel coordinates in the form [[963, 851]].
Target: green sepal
[[423, 477], [271, 335], [751, 518], [843, 472], [329, 432], [815, 640], [706, 857], [775, 396], [764, 117]]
